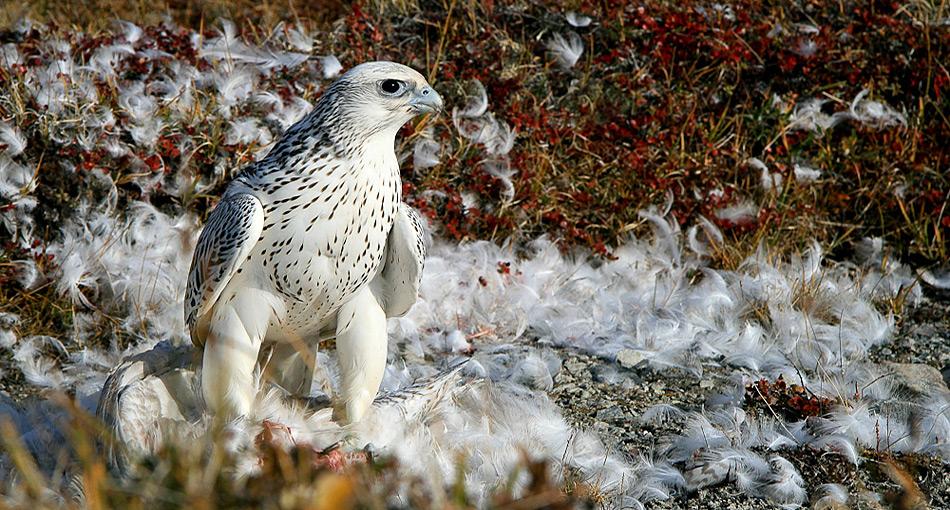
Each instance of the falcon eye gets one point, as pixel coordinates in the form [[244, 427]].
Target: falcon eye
[[391, 87]]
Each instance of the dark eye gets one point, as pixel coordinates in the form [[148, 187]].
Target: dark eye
[[391, 86]]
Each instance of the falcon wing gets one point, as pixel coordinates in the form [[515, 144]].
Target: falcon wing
[[396, 286], [233, 229]]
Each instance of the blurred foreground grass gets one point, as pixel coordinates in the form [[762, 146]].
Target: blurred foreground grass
[[201, 475]]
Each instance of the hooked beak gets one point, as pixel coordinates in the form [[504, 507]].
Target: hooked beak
[[426, 100]]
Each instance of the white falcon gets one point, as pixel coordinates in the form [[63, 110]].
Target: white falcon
[[313, 241]]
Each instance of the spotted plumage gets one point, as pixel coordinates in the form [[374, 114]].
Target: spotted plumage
[[310, 242]]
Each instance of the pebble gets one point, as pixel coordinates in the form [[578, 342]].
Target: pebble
[[629, 358], [605, 374], [612, 413], [917, 377], [574, 366]]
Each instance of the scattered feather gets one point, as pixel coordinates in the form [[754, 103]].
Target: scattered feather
[[577, 20], [130, 31], [809, 116], [660, 412], [300, 40], [476, 104], [939, 279], [567, 50], [831, 496], [769, 180], [875, 114], [805, 173], [247, 131], [425, 153], [786, 486], [740, 214], [331, 66], [12, 140], [230, 48]]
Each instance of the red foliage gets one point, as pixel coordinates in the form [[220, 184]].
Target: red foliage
[[793, 402]]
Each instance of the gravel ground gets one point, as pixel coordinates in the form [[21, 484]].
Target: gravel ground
[[608, 398], [923, 336]]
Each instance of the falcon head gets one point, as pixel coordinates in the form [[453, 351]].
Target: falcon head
[[384, 95]]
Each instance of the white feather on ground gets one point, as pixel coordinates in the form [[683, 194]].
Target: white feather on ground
[[769, 180], [832, 496], [331, 66], [475, 123], [805, 173], [875, 113], [248, 131], [12, 139], [641, 301], [743, 212], [136, 265], [577, 20], [228, 46], [426, 151], [808, 115], [566, 50], [939, 279]]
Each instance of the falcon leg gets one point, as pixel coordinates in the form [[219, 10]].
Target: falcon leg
[[291, 367], [230, 353], [361, 343]]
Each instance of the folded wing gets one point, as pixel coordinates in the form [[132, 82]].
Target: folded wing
[[396, 286], [233, 229]]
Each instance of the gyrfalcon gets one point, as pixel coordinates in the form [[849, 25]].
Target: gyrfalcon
[[312, 241]]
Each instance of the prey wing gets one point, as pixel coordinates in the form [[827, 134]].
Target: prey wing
[[396, 286], [233, 229]]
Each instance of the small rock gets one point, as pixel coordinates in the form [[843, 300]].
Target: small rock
[[604, 374], [629, 358], [706, 384], [630, 381], [574, 365], [563, 378], [602, 429], [568, 388], [919, 378], [612, 413], [946, 375]]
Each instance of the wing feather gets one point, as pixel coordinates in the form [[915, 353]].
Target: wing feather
[[396, 286], [233, 229]]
